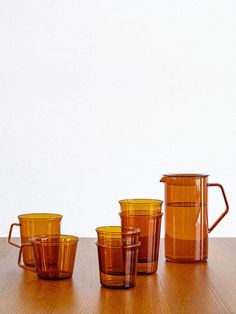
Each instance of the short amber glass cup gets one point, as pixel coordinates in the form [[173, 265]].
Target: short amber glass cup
[[33, 225], [54, 255], [144, 214], [117, 256]]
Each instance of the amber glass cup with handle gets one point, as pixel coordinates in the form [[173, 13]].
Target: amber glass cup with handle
[[32, 225], [118, 256], [144, 214], [186, 216], [54, 255]]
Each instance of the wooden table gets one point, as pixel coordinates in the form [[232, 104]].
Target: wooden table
[[176, 288]]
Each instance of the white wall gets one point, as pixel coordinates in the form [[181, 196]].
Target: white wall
[[99, 98]]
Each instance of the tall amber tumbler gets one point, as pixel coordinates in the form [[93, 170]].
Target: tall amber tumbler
[[54, 255], [118, 256], [186, 216], [146, 215], [33, 225]]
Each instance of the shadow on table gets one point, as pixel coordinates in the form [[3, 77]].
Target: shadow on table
[[175, 288], [143, 298], [188, 285]]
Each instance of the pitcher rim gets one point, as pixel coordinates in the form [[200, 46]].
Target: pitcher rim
[[189, 175]]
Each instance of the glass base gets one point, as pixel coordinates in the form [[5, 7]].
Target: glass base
[[116, 281], [147, 268], [54, 275], [29, 262], [186, 260]]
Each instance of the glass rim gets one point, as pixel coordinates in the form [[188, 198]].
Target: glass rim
[[148, 201], [146, 213], [120, 246], [186, 175], [130, 230], [62, 238], [39, 216]]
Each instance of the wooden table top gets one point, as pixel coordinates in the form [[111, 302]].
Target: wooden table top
[[176, 288]]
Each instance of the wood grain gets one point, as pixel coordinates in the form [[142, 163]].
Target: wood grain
[[176, 288]]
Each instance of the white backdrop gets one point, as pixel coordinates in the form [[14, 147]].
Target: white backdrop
[[99, 98]]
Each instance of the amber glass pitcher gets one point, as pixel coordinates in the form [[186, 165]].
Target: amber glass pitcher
[[186, 217]]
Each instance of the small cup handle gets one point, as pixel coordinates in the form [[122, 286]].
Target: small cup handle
[[226, 205], [9, 236], [33, 269]]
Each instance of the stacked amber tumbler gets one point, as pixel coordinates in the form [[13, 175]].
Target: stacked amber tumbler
[[145, 214], [45, 251], [118, 255], [133, 247]]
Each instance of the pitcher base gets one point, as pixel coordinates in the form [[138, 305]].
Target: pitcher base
[[185, 260]]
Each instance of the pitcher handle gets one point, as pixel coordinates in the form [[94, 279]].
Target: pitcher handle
[[226, 204], [30, 268], [9, 236]]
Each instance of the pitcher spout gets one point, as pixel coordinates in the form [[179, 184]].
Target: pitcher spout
[[163, 179]]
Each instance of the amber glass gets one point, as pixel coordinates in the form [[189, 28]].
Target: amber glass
[[125, 236], [186, 217], [140, 204], [33, 225], [146, 215], [117, 258], [54, 255]]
